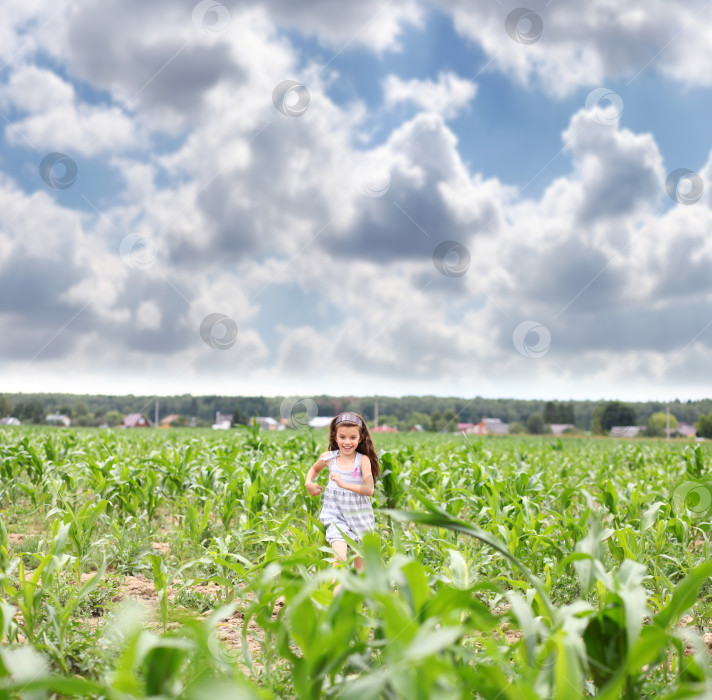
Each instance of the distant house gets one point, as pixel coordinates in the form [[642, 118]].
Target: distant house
[[628, 431], [10, 420], [136, 420], [686, 430], [558, 428], [266, 422], [384, 429], [496, 426], [417, 428], [168, 421], [59, 419], [223, 421], [487, 426]]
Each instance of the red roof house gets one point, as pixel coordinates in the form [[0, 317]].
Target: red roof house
[[136, 420]]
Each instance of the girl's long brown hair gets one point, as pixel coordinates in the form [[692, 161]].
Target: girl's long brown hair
[[365, 445]]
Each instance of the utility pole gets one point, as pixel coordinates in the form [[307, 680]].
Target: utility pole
[[667, 422], [156, 414], [375, 419]]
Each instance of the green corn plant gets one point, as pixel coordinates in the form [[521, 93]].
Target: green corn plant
[[83, 524], [253, 440], [207, 479], [229, 502], [160, 582], [391, 480], [652, 645], [253, 498], [438, 517], [601, 642], [695, 462], [323, 641], [8, 626], [127, 498], [33, 463], [4, 546], [387, 634], [58, 642], [25, 673], [226, 457], [196, 522], [229, 567], [8, 479], [613, 631], [192, 665], [151, 495], [163, 580], [29, 595], [136, 492]]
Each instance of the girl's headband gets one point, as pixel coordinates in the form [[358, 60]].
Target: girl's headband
[[350, 417]]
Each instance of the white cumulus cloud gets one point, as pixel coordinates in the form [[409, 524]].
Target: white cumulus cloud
[[447, 96]]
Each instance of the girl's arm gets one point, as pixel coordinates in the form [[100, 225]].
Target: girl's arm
[[312, 488], [365, 489]]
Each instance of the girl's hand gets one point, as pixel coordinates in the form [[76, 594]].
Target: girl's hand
[[336, 478], [314, 489]]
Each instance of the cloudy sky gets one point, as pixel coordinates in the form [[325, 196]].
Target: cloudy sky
[[402, 197]]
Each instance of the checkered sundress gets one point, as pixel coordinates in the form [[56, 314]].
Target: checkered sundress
[[345, 510]]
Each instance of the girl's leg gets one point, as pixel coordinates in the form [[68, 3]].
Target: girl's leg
[[358, 563], [339, 547]]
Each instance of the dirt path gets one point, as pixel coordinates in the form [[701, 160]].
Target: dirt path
[[229, 630]]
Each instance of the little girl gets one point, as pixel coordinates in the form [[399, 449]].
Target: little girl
[[353, 467]]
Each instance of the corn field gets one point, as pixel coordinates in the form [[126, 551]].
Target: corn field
[[501, 568]]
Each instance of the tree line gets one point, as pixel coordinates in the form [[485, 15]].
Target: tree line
[[430, 412]]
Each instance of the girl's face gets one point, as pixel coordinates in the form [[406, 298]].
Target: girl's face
[[348, 438]]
